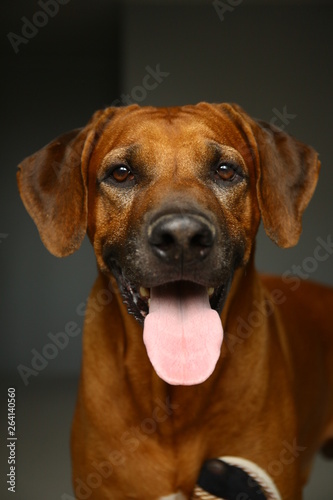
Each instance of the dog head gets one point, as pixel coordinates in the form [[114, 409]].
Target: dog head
[[171, 198]]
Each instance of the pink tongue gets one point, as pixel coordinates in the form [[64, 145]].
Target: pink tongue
[[182, 334]]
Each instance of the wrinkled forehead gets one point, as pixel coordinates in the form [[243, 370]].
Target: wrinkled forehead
[[172, 132]]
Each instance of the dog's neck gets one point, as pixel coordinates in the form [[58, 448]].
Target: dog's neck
[[116, 362]]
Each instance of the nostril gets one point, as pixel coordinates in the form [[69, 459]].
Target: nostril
[[202, 239], [163, 241]]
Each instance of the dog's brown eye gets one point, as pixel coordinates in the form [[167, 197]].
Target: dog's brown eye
[[122, 174], [225, 172], [119, 175]]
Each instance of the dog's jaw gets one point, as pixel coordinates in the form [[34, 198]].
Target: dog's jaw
[[137, 304], [136, 297]]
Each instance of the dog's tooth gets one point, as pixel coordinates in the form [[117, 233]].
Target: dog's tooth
[[210, 291], [144, 292]]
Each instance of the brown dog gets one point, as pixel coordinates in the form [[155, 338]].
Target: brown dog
[[171, 199]]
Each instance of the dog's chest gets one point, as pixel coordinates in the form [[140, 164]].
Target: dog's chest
[[149, 462], [164, 475]]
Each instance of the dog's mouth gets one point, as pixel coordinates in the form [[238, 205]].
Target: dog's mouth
[[137, 297], [139, 302], [182, 327]]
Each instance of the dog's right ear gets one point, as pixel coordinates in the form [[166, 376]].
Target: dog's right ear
[[52, 185]]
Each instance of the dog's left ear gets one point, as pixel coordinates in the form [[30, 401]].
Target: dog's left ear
[[286, 176], [53, 187], [53, 190]]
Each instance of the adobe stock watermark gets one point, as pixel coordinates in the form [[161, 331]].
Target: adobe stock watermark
[[30, 27], [58, 342], [287, 456], [129, 442], [281, 119], [40, 359], [152, 79], [310, 264], [225, 6], [288, 453], [261, 310]]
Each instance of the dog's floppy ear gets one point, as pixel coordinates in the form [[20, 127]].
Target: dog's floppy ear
[[52, 185], [286, 176]]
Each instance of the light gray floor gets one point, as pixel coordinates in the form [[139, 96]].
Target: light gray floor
[[44, 413]]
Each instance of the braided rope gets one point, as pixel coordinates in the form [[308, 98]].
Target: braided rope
[[253, 470], [258, 474], [199, 493]]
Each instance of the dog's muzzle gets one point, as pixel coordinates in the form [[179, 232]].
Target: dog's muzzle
[[181, 274]]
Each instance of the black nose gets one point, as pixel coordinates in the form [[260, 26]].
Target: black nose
[[181, 237]]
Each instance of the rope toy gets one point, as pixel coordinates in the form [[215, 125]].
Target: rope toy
[[234, 478]]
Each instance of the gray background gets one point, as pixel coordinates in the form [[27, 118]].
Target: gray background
[[266, 56]]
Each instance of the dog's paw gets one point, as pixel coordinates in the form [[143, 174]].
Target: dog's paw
[[230, 478]]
